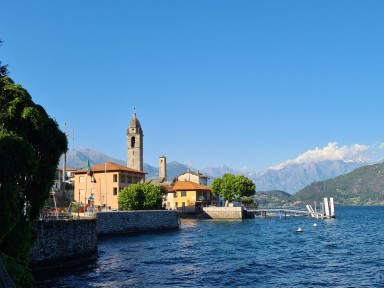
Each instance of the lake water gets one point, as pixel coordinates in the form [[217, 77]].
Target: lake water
[[263, 252]]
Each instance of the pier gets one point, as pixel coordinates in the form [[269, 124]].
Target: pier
[[291, 211], [327, 210]]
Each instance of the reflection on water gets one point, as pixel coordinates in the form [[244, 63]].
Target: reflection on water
[[261, 252]]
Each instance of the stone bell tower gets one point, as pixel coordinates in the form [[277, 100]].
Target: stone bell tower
[[162, 168], [135, 144]]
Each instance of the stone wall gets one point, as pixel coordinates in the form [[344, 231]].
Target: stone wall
[[133, 222], [224, 212], [62, 243]]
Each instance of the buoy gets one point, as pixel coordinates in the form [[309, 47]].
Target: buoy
[[315, 224], [299, 230]]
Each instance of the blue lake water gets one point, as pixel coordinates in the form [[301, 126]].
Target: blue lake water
[[263, 252]]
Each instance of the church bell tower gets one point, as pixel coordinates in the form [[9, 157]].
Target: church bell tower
[[135, 144]]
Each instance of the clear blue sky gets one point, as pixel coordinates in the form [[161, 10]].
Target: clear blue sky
[[248, 84]]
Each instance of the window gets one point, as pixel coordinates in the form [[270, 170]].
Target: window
[[81, 194], [133, 140], [129, 179], [122, 178], [114, 178], [114, 191], [183, 193], [175, 194]]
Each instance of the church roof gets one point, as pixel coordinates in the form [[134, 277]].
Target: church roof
[[109, 167], [135, 123]]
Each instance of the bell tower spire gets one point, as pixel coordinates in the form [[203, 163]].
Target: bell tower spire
[[135, 144]]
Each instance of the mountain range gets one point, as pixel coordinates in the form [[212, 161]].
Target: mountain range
[[362, 186], [289, 178]]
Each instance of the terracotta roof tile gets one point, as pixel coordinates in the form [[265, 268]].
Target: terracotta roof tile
[[188, 186], [109, 167]]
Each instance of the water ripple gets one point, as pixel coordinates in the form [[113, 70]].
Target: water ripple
[[262, 252]]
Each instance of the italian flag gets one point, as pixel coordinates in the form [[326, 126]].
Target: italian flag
[[89, 170]]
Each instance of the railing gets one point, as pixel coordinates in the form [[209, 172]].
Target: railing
[[53, 215], [278, 209], [259, 208]]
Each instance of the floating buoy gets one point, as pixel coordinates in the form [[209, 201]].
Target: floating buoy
[[315, 224], [299, 230]]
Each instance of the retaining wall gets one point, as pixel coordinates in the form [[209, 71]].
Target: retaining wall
[[225, 212], [133, 222], [62, 243]]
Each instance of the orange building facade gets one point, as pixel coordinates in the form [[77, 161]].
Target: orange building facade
[[101, 190], [189, 196]]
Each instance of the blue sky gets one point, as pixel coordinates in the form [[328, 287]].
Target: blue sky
[[248, 84]]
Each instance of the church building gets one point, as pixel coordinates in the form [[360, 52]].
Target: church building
[[99, 185], [135, 144]]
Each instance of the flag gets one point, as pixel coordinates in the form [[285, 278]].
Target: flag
[[89, 170]]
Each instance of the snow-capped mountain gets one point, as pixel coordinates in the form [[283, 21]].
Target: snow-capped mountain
[[289, 176]]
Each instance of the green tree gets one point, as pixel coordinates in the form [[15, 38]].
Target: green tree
[[140, 196], [30, 147], [3, 68], [231, 186], [245, 186]]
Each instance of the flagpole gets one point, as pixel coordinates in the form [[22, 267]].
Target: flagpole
[[78, 206], [105, 180], [85, 193]]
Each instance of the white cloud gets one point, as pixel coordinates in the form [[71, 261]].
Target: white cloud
[[354, 152], [381, 146]]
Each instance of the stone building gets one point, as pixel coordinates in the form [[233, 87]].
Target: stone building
[[195, 177], [162, 168], [135, 145]]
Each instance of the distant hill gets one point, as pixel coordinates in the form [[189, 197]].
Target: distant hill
[[293, 177], [78, 158], [363, 186], [290, 178], [173, 169], [272, 198], [217, 172]]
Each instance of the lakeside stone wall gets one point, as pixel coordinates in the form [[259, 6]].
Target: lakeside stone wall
[[225, 212], [62, 243], [133, 222]]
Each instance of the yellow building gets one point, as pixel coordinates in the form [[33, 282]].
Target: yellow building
[[104, 186], [188, 196]]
